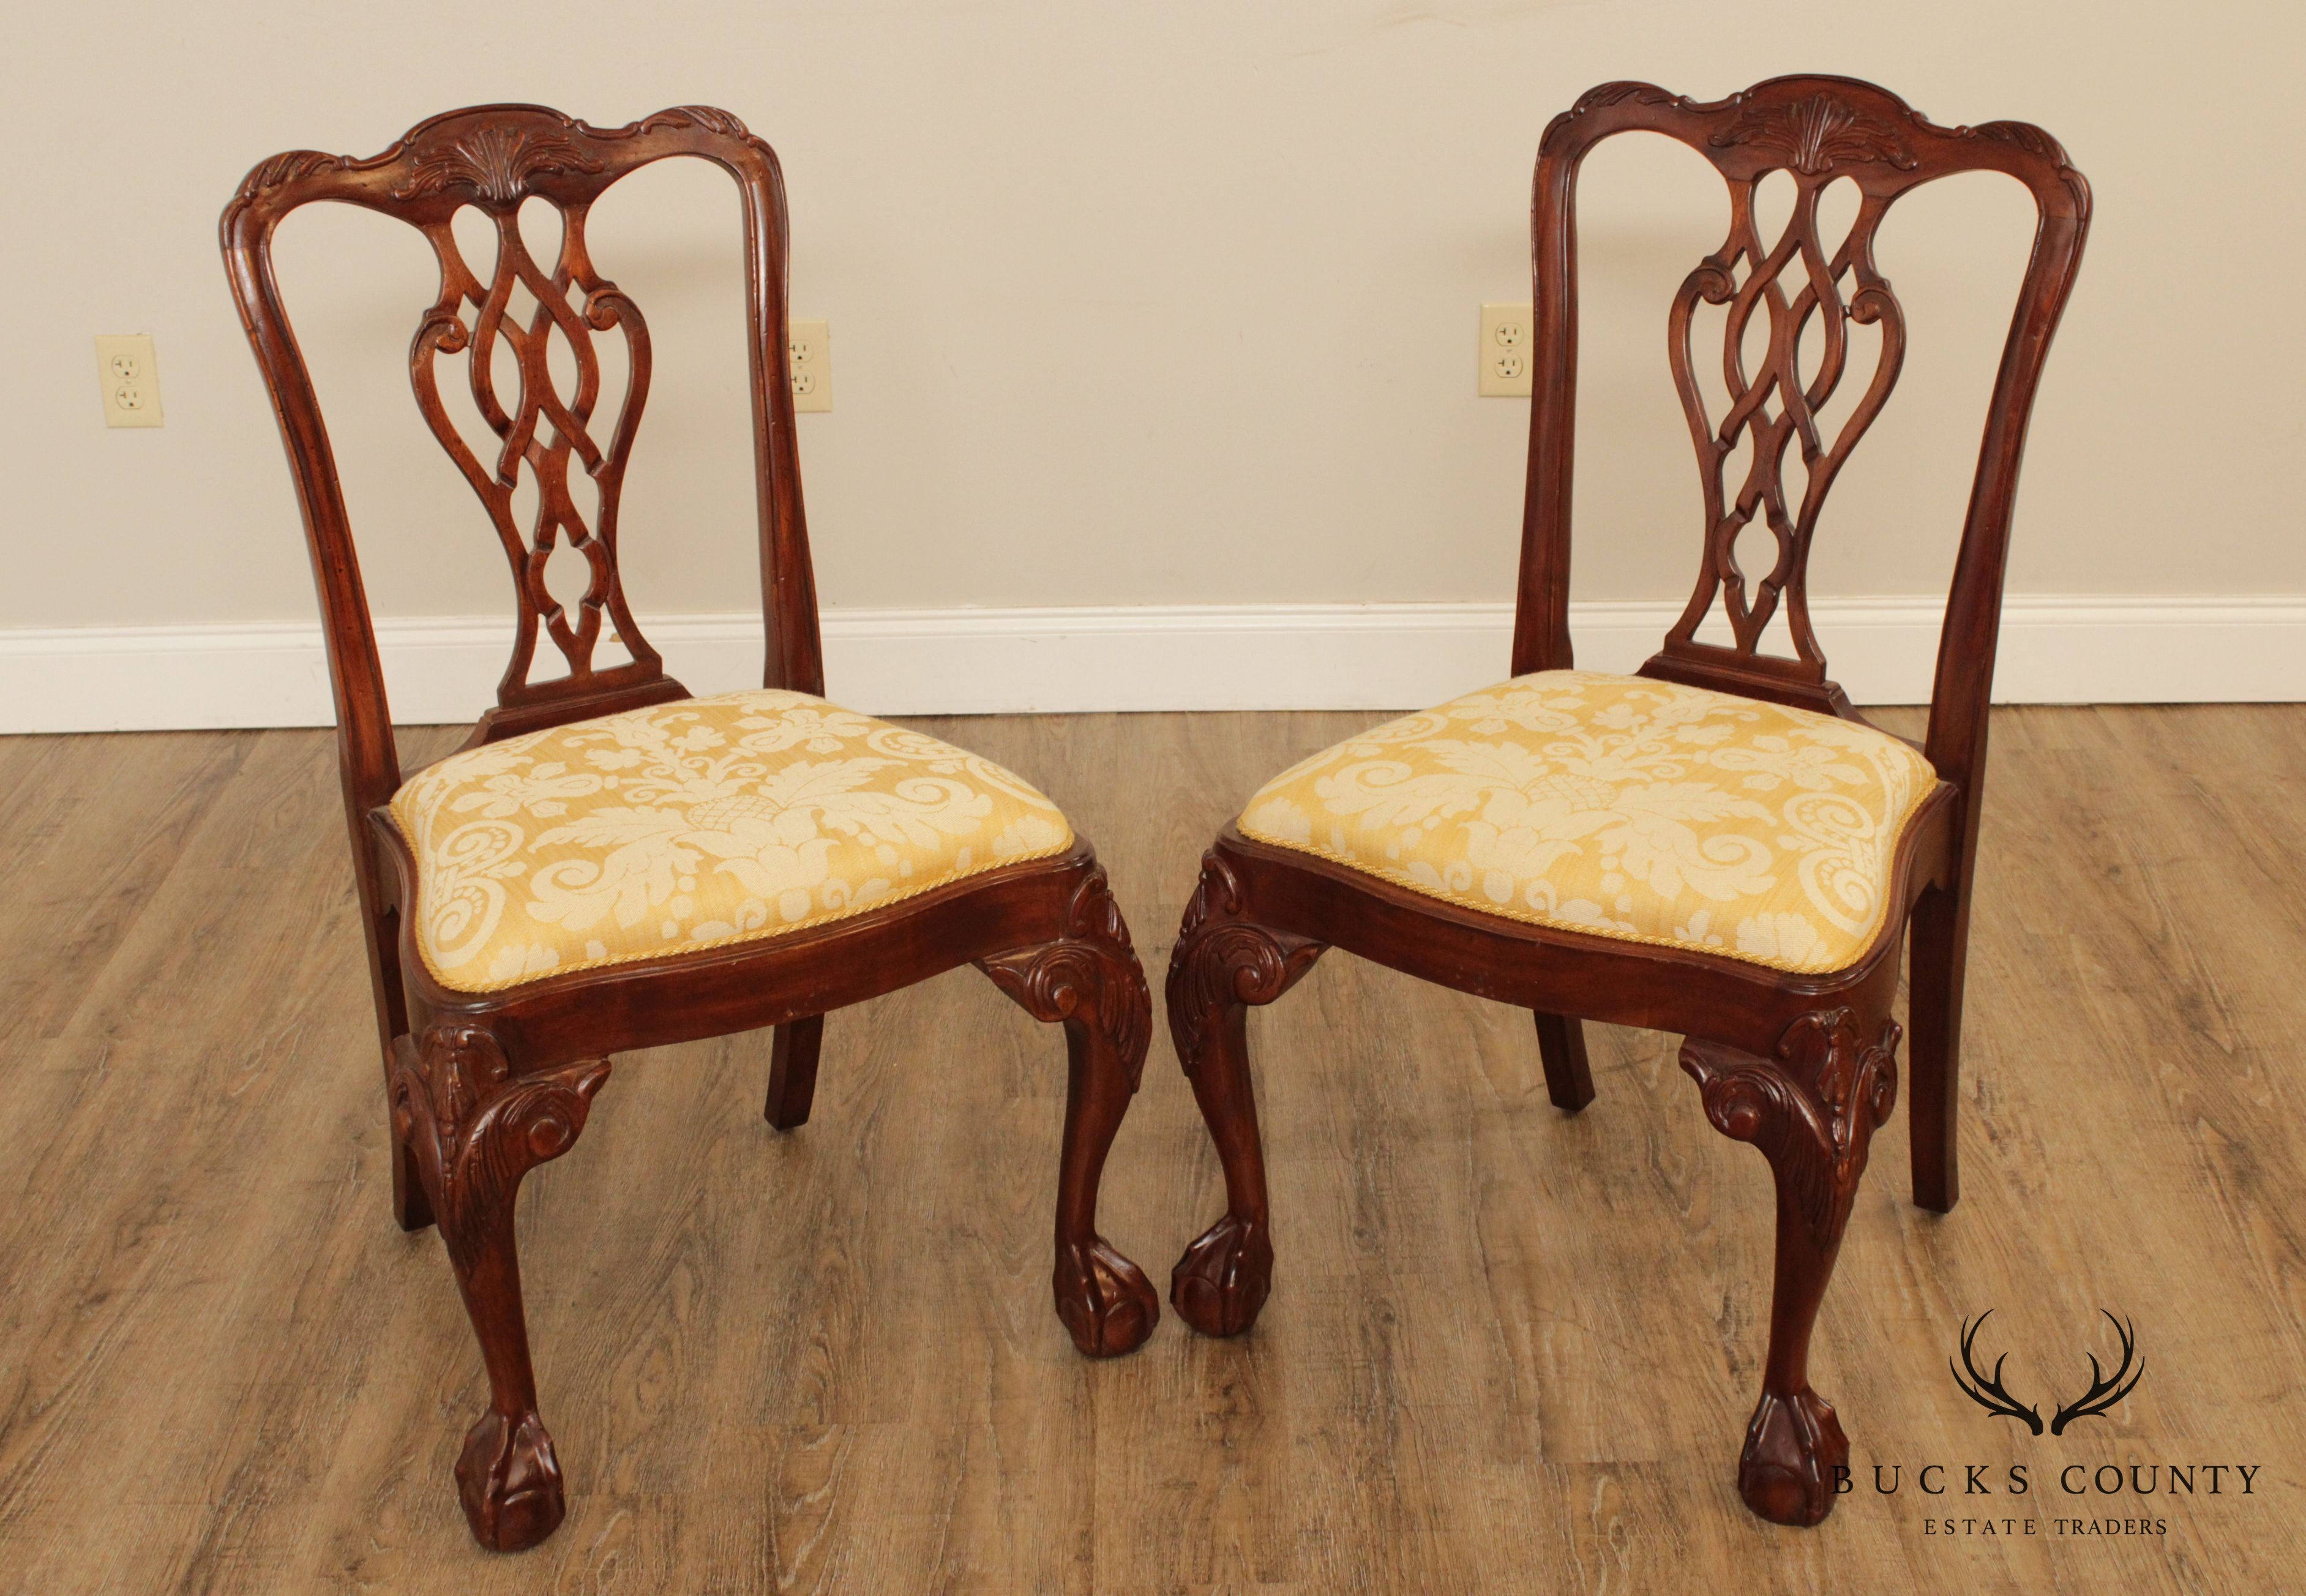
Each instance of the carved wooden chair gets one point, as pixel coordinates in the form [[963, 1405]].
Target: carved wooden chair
[[609, 863], [1719, 845]]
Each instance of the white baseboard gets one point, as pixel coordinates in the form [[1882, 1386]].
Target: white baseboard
[[2055, 650]]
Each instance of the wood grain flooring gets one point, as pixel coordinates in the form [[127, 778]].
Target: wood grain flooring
[[1507, 1350]]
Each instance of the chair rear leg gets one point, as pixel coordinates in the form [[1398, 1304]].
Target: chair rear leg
[[1940, 940], [1223, 961], [792, 1071], [1561, 1043], [412, 1210], [475, 1130]]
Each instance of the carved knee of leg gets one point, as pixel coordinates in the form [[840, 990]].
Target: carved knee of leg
[[474, 1129]]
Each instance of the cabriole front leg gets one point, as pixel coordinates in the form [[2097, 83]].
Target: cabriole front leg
[[1090, 981], [1223, 962], [474, 1130], [1811, 1111]]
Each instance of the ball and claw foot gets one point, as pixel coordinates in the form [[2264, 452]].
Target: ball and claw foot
[[510, 1482], [1105, 1301], [1224, 1277], [1793, 1447]]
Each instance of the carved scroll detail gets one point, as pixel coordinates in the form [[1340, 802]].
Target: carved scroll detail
[[1603, 95], [286, 167], [476, 1129], [2028, 138], [1219, 959], [1093, 964], [1812, 1111], [712, 119]]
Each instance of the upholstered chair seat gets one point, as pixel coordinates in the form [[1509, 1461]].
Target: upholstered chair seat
[[694, 824], [1625, 807]]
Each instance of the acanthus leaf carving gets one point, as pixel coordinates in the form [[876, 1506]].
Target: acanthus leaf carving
[[2025, 135], [1604, 95], [287, 167], [1093, 966], [1221, 958], [476, 1129], [1811, 1110], [710, 118]]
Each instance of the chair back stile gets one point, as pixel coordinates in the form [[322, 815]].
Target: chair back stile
[[1816, 130]]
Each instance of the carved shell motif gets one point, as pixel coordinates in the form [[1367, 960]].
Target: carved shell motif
[[494, 162], [1816, 133]]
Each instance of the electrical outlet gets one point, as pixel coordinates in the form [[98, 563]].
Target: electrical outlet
[[1505, 352], [808, 346], [129, 377]]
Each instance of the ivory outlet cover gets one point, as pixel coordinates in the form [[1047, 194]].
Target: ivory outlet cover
[[808, 346], [1504, 351], [129, 379]]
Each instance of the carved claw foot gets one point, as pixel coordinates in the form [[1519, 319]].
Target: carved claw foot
[[1793, 1447], [510, 1482], [1104, 1299], [1223, 1279]]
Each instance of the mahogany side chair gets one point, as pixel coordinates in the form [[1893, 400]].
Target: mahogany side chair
[[1718, 845], [610, 863]]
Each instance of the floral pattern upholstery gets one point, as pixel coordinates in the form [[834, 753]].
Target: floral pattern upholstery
[[693, 825], [1623, 807]]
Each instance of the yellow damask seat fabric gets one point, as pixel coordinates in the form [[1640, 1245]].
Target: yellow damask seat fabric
[[694, 824], [1621, 808]]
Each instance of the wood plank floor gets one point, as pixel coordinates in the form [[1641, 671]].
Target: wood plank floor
[[1507, 1351]]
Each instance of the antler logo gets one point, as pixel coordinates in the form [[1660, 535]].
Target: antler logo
[[2104, 1390]]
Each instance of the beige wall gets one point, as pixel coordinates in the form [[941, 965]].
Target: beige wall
[[1141, 304]]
